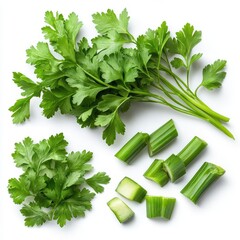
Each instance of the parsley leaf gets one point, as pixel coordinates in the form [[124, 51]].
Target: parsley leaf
[[105, 22], [53, 184], [96, 180], [213, 75], [34, 215]]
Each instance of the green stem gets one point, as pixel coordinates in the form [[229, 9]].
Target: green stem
[[192, 150], [132, 147], [197, 107], [131, 190], [204, 177], [161, 137], [158, 206]]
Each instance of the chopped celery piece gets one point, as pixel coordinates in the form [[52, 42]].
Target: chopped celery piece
[[175, 167], [132, 147], [162, 137], [131, 190], [120, 209], [207, 174], [191, 150], [156, 173], [158, 206]]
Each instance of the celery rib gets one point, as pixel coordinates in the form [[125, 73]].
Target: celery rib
[[204, 177], [132, 147]]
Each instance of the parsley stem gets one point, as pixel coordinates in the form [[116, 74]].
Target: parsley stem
[[198, 108]]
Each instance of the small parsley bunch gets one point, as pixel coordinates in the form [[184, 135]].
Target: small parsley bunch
[[53, 185]]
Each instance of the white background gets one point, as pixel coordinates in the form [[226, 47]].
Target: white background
[[217, 215]]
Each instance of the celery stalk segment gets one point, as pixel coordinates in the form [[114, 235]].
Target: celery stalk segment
[[191, 150], [158, 206], [162, 137], [204, 177], [175, 167], [120, 209], [156, 173], [131, 190], [132, 147]]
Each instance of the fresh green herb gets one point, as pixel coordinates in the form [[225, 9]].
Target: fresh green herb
[[120, 209], [53, 185], [162, 137], [204, 177], [158, 206], [156, 173], [131, 190], [132, 147], [97, 81]]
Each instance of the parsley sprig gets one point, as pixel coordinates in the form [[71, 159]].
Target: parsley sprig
[[97, 81], [53, 185]]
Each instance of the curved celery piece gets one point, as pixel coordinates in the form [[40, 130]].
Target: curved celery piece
[[204, 177], [156, 173]]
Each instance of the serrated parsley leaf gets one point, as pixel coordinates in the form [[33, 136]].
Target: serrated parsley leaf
[[96, 180], [214, 74], [110, 43], [29, 87], [21, 110], [119, 67], [185, 41], [157, 39], [73, 207], [34, 215], [19, 189], [23, 152], [113, 124], [62, 33], [105, 22]]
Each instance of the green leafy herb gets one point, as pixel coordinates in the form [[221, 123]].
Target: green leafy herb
[[53, 185], [98, 80]]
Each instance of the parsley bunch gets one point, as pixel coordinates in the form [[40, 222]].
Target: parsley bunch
[[53, 185], [97, 80]]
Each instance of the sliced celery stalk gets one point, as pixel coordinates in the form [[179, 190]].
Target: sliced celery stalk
[[191, 150], [156, 173], [204, 177], [158, 206], [162, 137], [131, 190], [120, 209], [132, 147], [175, 167]]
